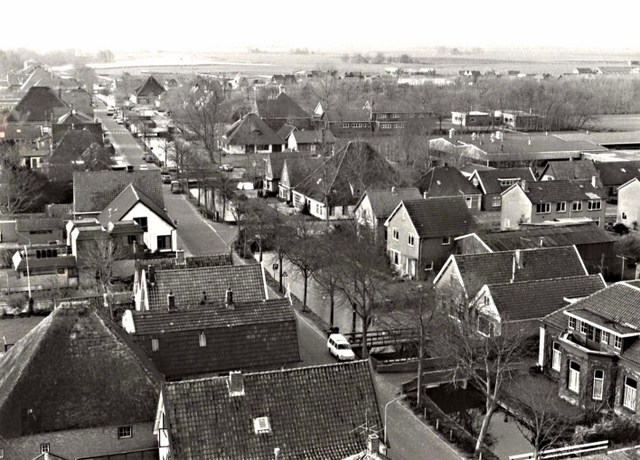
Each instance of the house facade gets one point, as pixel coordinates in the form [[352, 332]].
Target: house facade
[[492, 182], [629, 203], [250, 134], [447, 181]]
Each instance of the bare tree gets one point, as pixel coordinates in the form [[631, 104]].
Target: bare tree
[[327, 272], [261, 220], [20, 188], [302, 253]]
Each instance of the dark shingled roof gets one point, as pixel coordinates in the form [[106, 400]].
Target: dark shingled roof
[[75, 117], [47, 262], [570, 170], [251, 130], [553, 191], [315, 413], [477, 270], [445, 181], [151, 87], [490, 178], [38, 104], [38, 223], [281, 106], [439, 217], [94, 190], [275, 162], [125, 201], [299, 167], [384, 201], [76, 369], [346, 115], [59, 130], [285, 131], [525, 300], [615, 173], [252, 334], [73, 144], [246, 282], [314, 137]]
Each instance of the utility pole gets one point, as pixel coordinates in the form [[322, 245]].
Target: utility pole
[[624, 259]]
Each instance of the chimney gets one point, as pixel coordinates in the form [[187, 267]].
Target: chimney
[[518, 255], [593, 181], [228, 299], [129, 168], [151, 275], [523, 184], [171, 301], [180, 257], [424, 195], [393, 190], [373, 444], [203, 298], [236, 384]]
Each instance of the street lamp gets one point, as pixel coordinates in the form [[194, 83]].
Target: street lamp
[[385, 415], [26, 256]]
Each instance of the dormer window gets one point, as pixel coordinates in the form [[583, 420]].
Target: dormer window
[[617, 342], [261, 425], [604, 338], [203, 340]]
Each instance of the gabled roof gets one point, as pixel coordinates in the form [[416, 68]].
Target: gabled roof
[[316, 136], [286, 131], [443, 181], [57, 375], [526, 300], [384, 201], [151, 87], [74, 143], [437, 217], [20, 132], [298, 167], [570, 170], [489, 179], [282, 106], [28, 224], [276, 162], [125, 201], [75, 117], [59, 130], [94, 190], [251, 130], [346, 116], [477, 270], [315, 413], [553, 191], [78, 98], [38, 104], [246, 282], [614, 173], [40, 77]]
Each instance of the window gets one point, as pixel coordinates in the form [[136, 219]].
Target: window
[[382, 115], [555, 359], [395, 115], [574, 377], [617, 342], [576, 206], [543, 208], [45, 447], [561, 206], [124, 432], [345, 125], [572, 323], [594, 205], [386, 125], [142, 222], [131, 239], [410, 240], [630, 390], [446, 240], [496, 201], [624, 215], [583, 327], [604, 338], [598, 384], [395, 257], [203, 340], [164, 242], [261, 425], [590, 335], [155, 345], [396, 234]]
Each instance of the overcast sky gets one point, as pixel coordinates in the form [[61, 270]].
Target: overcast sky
[[205, 25]]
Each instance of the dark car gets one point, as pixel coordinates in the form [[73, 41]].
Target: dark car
[[166, 178]]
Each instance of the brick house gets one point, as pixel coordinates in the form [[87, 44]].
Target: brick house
[[420, 233], [447, 181], [557, 200], [591, 349], [307, 412], [492, 182]]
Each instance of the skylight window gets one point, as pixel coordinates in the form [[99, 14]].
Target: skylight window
[[261, 425]]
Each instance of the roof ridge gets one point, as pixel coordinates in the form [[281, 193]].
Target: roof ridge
[[542, 280]]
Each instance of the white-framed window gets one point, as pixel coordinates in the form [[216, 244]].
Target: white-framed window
[[155, 344], [584, 327], [411, 239], [574, 377], [594, 205], [572, 323], [561, 206], [576, 206], [543, 208], [617, 341], [556, 357], [630, 391], [125, 432], [142, 222], [598, 384], [446, 240], [496, 201], [202, 339], [469, 201], [345, 125], [604, 337], [395, 257], [396, 233], [395, 115], [382, 115], [386, 125], [45, 447]]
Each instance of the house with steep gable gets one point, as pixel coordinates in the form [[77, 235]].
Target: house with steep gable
[[614, 174], [447, 181], [41, 105], [492, 182], [149, 93], [316, 412], [279, 109], [629, 203], [251, 135], [375, 205], [274, 165]]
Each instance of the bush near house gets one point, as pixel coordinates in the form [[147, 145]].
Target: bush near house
[[619, 430]]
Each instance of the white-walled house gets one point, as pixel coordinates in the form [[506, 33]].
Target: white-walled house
[[629, 203], [251, 135]]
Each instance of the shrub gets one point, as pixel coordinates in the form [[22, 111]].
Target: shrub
[[619, 430]]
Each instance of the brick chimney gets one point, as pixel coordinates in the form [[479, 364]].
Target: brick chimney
[[171, 301], [203, 298], [373, 444], [236, 384], [228, 299]]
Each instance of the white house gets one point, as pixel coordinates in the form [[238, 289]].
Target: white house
[[629, 202]]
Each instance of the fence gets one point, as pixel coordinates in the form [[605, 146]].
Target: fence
[[563, 452]]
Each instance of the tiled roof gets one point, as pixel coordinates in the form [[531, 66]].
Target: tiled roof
[[187, 285], [125, 201], [58, 372], [74, 143], [347, 115], [13, 329], [38, 223], [251, 130], [445, 181], [314, 137], [39, 78], [384, 201], [281, 106], [48, 262], [549, 236], [39, 104], [553, 191], [315, 413], [151, 87], [299, 167], [490, 178], [285, 131], [252, 334], [571, 170], [75, 117], [94, 190], [171, 263], [78, 98], [614, 173], [524, 300], [20, 131], [276, 161], [439, 217], [59, 130], [477, 270]]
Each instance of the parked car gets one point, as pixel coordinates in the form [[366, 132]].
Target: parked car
[[340, 347], [148, 158], [176, 187], [119, 120], [111, 111], [166, 178], [225, 168]]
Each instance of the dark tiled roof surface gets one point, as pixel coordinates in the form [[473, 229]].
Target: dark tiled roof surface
[[39, 104], [58, 372], [251, 130], [525, 300], [125, 201], [276, 162], [39, 223], [553, 191], [491, 177], [73, 144], [315, 413], [75, 117], [439, 217], [445, 181], [614, 173], [21, 131], [280, 107], [151, 87], [59, 130], [535, 264], [94, 190], [314, 137], [50, 262], [571, 170], [285, 131], [187, 285], [253, 334], [299, 168], [347, 116], [384, 201]]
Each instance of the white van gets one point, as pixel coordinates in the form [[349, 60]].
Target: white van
[[340, 347]]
